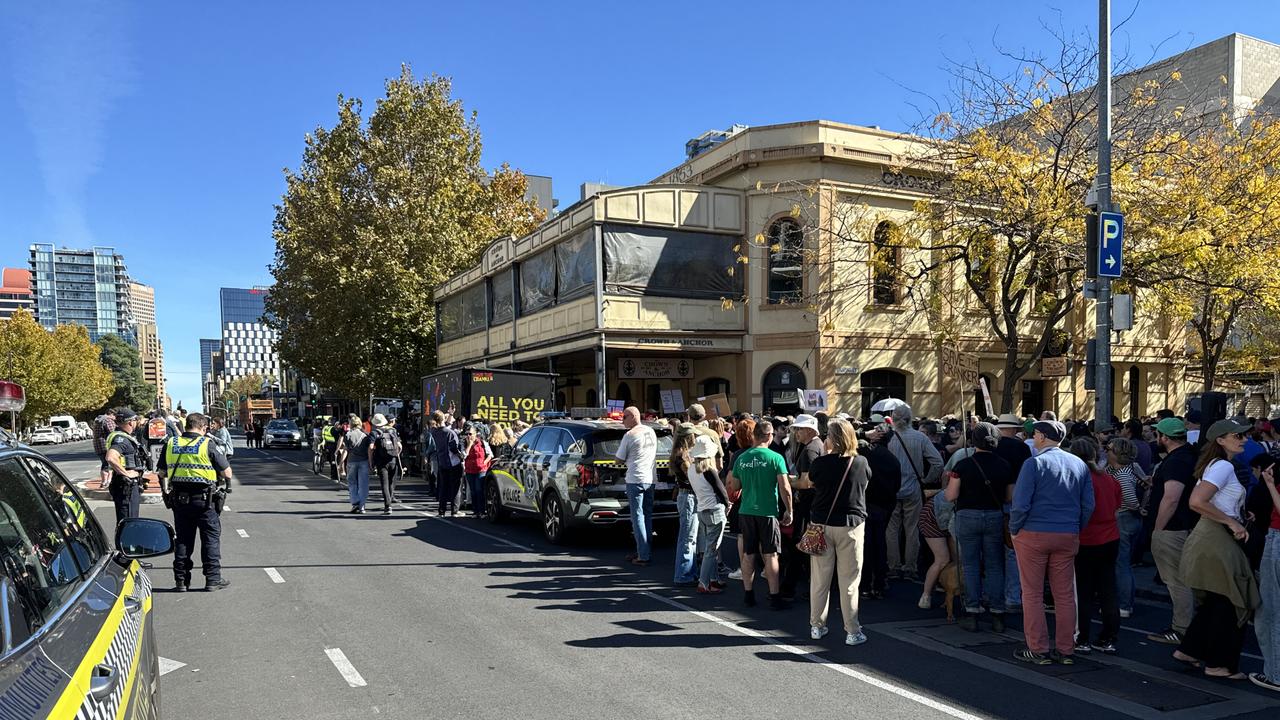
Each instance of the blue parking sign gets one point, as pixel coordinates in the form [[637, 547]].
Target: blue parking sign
[[1110, 244]]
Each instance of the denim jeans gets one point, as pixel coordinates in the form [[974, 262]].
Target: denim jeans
[[1012, 583], [1267, 622], [358, 482], [710, 532], [980, 534], [640, 499], [1130, 527], [475, 487], [687, 537]]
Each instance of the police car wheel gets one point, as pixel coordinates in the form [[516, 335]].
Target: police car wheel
[[553, 524], [493, 509]]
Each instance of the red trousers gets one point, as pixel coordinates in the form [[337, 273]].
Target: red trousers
[[1052, 553]]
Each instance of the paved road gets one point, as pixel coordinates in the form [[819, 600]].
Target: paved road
[[333, 615]]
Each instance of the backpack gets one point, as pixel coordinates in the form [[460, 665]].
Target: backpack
[[388, 442]]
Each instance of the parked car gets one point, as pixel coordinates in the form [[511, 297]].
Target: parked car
[[565, 472], [65, 424], [282, 432], [76, 638], [86, 432], [45, 436]]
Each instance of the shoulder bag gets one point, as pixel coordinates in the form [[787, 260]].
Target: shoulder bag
[[814, 540]]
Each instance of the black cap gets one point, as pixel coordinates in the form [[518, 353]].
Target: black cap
[[124, 415]]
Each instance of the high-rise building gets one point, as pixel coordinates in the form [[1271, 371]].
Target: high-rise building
[[248, 345], [207, 348], [142, 301], [82, 287], [15, 292], [152, 352]]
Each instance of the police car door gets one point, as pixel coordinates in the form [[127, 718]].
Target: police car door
[[551, 446], [514, 485]]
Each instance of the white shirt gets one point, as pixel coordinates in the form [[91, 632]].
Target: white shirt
[[1230, 496], [639, 450], [703, 490], [1193, 436]]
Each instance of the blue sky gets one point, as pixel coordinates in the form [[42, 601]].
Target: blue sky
[[162, 128]]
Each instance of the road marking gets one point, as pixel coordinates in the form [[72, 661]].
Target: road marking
[[275, 575], [242, 533], [167, 666], [471, 530], [348, 671], [872, 680]]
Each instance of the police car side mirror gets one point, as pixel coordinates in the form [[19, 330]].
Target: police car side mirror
[[143, 538]]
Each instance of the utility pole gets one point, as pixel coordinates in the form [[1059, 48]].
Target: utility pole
[[1104, 395]]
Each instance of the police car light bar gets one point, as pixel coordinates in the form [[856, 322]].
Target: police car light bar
[[12, 397], [590, 413]]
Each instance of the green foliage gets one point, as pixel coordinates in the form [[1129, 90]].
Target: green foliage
[[376, 216], [125, 364], [60, 370]]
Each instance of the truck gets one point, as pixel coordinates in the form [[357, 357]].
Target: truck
[[488, 395], [259, 411]]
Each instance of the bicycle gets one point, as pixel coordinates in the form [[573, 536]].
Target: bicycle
[[317, 458]]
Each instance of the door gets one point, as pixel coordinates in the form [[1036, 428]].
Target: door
[[552, 445], [513, 483], [1032, 397]]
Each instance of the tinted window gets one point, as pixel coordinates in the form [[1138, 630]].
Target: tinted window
[[529, 438], [604, 445], [553, 441], [71, 510], [36, 557], [281, 425]]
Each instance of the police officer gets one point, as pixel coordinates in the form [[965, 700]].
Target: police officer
[[195, 476], [128, 463]]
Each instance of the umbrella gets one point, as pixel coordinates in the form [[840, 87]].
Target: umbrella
[[888, 405]]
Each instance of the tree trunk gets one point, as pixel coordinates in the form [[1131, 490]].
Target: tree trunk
[[1013, 374]]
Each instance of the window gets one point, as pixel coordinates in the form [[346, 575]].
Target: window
[[782, 385], [786, 261], [886, 264], [501, 298], [36, 556], [878, 385], [592, 398], [576, 265], [553, 441], [529, 439], [538, 282], [623, 393], [712, 386], [72, 511]]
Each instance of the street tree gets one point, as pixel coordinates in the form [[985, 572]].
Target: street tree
[[379, 212], [131, 390], [241, 388], [60, 370]]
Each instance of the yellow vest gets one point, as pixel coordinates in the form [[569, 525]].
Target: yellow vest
[[187, 460], [327, 434], [74, 507]]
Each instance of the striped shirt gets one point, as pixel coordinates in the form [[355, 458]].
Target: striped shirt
[[1128, 480]]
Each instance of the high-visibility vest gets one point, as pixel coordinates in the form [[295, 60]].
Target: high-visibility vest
[[74, 507], [130, 461], [187, 461], [327, 434]]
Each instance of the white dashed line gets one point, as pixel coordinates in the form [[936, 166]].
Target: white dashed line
[[348, 671], [275, 575], [872, 680], [242, 533]]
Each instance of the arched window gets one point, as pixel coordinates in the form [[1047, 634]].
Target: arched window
[[886, 264], [781, 389], [623, 393], [711, 386], [880, 384], [592, 398], [786, 266], [1135, 382]]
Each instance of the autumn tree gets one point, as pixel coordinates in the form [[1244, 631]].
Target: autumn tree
[[125, 364], [60, 370], [242, 387], [379, 212]]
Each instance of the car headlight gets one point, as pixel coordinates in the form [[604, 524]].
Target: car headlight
[[297, 436]]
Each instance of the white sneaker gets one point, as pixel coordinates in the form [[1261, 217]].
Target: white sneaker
[[817, 633], [855, 638], [925, 603], [735, 575], [1126, 613]]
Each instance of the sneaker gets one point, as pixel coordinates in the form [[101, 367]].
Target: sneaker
[[749, 598], [355, 509], [1062, 659], [1083, 648], [969, 622], [386, 511], [856, 638], [817, 633], [1168, 637], [735, 575], [925, 603], [1027, 656], [180, 587], [718, 585], [1108, 648], [1126, 613], [997, 622], [217, 585], [704, 590], [1264, 682]]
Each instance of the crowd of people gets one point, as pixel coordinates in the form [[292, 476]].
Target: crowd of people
[[1017, 515]]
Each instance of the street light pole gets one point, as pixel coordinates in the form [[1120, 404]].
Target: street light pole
[[1104, 394]]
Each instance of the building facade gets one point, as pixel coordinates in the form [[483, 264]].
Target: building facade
[[152, 353], [16, 293], [83, 287], [142, 303], [704, 282], [248, 345]]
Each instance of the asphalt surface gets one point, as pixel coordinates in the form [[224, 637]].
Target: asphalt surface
[[333, 615]]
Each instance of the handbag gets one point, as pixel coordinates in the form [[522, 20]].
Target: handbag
[[814, 540], [1008, 537]]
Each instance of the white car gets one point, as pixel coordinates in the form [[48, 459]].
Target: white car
[[45, 436]]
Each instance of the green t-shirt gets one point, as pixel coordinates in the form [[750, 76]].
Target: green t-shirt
[[757, 471]]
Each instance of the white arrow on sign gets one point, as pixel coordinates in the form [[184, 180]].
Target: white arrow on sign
[[167, 666], [1111, 261]]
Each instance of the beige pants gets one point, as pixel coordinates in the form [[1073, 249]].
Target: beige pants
[[1166, 548], [844, 556]]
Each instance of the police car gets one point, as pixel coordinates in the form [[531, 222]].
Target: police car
[[76, 631], [565, 472]]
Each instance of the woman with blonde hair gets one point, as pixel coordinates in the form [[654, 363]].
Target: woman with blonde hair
[[840, 508]]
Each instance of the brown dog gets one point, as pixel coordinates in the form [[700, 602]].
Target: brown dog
[[949, 580]]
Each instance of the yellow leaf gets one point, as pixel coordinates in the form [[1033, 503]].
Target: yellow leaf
[[1222, 79], [775, 247], [759, 185], [795, 211], [744, 259], [1175, 75], [1037, 103], [759, 238], [731, 270], [737, 248]]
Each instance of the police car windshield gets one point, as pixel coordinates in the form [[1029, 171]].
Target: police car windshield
[[281, 425]]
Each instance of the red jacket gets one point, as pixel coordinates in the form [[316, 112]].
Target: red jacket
[[1102, 527], [477, 462]]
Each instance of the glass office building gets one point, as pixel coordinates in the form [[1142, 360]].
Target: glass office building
[[207, 348], [82, 287], [248, 345]]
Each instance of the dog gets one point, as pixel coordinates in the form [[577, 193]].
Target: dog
[[949, 581]]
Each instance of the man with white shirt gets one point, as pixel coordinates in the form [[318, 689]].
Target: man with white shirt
[[1193, 426], [639, 450]]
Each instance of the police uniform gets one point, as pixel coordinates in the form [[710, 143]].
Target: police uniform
[[193, 466], [126, 493]]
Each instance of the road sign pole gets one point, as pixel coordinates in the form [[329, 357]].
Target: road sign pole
[[1104, 395]]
